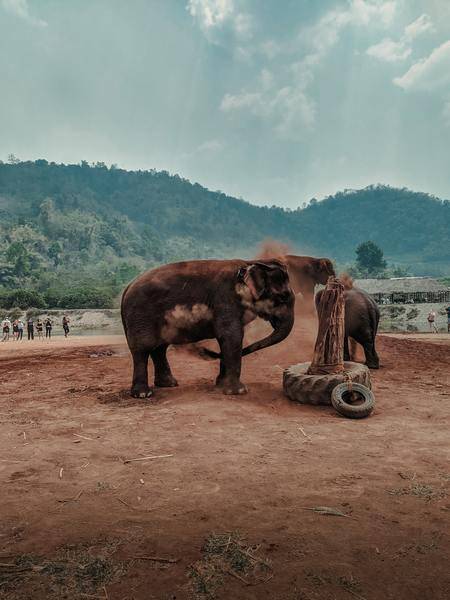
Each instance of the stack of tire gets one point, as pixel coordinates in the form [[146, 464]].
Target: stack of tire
[[348, 392]]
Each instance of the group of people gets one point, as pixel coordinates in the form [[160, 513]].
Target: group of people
[[15, 329]]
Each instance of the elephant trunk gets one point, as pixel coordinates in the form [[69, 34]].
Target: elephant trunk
[[281, 329]]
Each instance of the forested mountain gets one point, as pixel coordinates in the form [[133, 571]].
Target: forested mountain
[[62, 225]]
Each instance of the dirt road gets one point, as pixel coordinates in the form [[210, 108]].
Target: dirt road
[[227, 504]]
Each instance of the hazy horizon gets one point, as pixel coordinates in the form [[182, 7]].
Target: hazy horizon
[[272, 103]]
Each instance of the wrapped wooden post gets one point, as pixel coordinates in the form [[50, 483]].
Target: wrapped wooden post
[[329, 349], [314, 382]]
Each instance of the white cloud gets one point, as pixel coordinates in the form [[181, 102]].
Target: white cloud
[[427, 74], [210, 146], [231, 102], [289, 108], [270, 49], [214, 16], [243, 25], [364, 11], [20, 9], [326, 32], [421, 25], [211, 13], [281, 96], [295, 111], [389, 51]]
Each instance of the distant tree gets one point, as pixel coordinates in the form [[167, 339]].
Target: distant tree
[[46, 210], [397, 271], [18, 256], [22, 298], [369, 259], [54, 252], [13, 160]]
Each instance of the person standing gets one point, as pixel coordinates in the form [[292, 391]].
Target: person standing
[[15, 328], [432, 321], [48, 328], [30, 328], [39, 329], [6, 328], [20, 328], [447, 310], [65, 324]]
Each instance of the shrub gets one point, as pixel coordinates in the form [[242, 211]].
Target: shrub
[[33, 312], [15, 313], [22, 299], [79, 297], [412, 314], [396, 311]]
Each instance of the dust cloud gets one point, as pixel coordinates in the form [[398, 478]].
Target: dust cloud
[[346, 280], [272, 249]]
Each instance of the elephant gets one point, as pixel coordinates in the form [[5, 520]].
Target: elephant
[[361, 323], [305, 272], [190, 301]]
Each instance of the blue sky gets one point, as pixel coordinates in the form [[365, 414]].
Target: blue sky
[[276, 101]]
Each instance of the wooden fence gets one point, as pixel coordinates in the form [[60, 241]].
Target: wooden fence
[[412, 297]]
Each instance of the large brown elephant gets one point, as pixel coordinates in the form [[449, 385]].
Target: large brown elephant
[[305, 272], [197, 300]]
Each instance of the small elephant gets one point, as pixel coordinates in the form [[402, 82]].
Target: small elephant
[[197, 300], [361, 323]]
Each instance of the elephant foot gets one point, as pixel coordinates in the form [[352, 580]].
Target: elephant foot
[[373, 365], [220, 381], [234, 389], [166, 381], [141, 391]]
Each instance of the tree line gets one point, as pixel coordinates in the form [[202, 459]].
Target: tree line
[[83, 231]]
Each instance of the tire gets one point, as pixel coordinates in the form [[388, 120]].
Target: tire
[[353, 411], [302, 387]]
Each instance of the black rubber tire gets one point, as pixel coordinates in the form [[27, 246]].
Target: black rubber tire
[[353, 411], [301, 387]]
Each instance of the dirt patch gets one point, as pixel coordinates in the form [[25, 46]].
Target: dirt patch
[[257, 464], [223, 556], [75, 571]]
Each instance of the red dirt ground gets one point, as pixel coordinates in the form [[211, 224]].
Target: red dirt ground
[[251, 464]]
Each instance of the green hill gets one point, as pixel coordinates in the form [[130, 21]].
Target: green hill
[[67, 226]]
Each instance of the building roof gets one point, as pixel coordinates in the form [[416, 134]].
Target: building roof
[[401, 284]]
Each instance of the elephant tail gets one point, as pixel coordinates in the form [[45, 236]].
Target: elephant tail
[[207, 353], [121, 310]]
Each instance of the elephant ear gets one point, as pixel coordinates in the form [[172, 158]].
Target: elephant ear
[[325, 265], [318, 267], [255, 276], [254, 280]]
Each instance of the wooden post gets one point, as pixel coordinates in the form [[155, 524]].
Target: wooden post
[[329, 349]]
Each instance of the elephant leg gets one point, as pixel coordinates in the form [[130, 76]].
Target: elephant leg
[[139, 387], [368, 343], [230, 336], [346, 349], [222, 373], [163, 374], [372, 359]]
